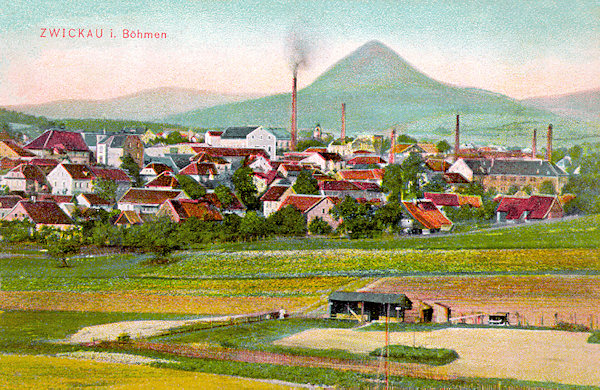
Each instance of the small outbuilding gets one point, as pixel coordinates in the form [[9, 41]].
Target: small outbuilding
[[366, 306]]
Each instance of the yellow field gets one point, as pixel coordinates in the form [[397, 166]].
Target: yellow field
[[140, 302], [43, 372]]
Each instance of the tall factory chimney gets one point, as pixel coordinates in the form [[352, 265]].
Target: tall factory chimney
[[549, 145], [457, 138], [534, 144], [343, 135], [294, 129], [393, 136]]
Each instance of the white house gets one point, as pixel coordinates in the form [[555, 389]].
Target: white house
[[146, 200], [258, 137]]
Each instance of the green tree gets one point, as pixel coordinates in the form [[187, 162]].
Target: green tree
[[319, 227], [388, 216], [356, 218], [547, 188], [392, 182], [191, 187], [224, 195], [443, 146], [245, 188], [436, 184], [287, 222], [129, 165], [412, 170], [106, 189], [62, 247], [252, 226], [175, 137], [306, 184]]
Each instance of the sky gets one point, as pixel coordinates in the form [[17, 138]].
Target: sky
[[517, 48]]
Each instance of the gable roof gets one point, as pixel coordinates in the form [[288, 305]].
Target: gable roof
[[361, 174], [158, 168], [95, 199], [305, 203], [129, 217], [454, 200], [280, 134], [30, 172], [199, 168], [537, 206], [238, 132], [9, 201], [114, 174], [455, 177], [149, 196], [351, 296], [165, 179], [229, 152], [274, 193], [44, 212], [188, 208], [516, 167], [59, 139], [16, 149], [366, 160], [213, 199], [79, 171], [437, 164], [427, 214], [338, 185]]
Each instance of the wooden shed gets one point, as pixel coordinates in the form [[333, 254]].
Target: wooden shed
[[366, 306]]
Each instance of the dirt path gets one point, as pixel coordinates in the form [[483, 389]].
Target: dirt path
[[552, 356]]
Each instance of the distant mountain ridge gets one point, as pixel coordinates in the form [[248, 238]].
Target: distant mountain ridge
[[381, 90], [583, 105], [150, 104]]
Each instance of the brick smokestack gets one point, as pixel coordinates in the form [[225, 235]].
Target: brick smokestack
[[457, 138], [549, 145], [294, 129], [343, 135], [534, 144], [393, 136]]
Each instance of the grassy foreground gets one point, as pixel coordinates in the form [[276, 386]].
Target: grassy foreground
[[43, 372]]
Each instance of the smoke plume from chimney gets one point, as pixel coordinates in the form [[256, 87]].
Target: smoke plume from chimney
[[299, 48]]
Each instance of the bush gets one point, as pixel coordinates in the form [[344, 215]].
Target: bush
[[432, 356], [594, 338], [124, 338], [571, 327], [318, 226]]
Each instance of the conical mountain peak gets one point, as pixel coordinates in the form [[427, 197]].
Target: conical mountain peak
[[372, 65]]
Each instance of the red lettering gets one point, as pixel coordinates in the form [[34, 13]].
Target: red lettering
[[54, 32], [73, 31], [89, 34], [43, 34], [81, 33], [125, 33]]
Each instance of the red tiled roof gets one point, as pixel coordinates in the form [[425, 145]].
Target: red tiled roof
[[362, 152], [425, 212], [149, 196], [365, 185], [429, 148], [30, 172], [9, 201], [361, 174], [58, 139], [338, 185], [214, 133], [442, 199], [50, 162], [213, 199], [56, 198], [45, 212], [366, 160], [79, 171], [314, 149], [455, 177], [292, 167], [188, 208], [19, 151], [274, 193], [471, 200], [302, 203], [129, 217], [9, 163], [165, 179], [537, 206], [229, 152], [437, 165], [95, 199], [330, 156], [205, 157], [199, 168], [159, 168], [114, 174]]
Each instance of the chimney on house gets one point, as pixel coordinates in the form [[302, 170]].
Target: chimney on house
[[393, 136], [343, 134], [457, 139], [294, 129], [534, 144], [549, 145]]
